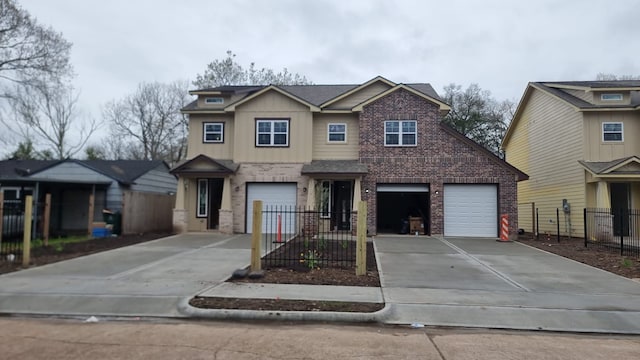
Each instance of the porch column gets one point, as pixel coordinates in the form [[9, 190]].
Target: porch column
[[225, 215], [180, 214], [603, 200], [226, 194], [311, 194], [357, 195]]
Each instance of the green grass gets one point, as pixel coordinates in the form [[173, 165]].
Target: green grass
[[59, 243]]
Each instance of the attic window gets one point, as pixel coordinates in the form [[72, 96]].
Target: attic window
[[611, 97], [214, 101]]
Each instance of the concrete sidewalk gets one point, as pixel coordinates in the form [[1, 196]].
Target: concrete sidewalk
[[147, 279]]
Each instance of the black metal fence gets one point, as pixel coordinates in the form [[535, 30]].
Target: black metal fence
[[614, 229], [305, 239], [12, 232]]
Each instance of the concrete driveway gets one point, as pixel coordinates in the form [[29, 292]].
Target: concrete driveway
[[147, 279], [485, 283]]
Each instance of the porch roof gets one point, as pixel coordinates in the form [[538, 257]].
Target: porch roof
[[629, 165], [204, 164], [341, 167]]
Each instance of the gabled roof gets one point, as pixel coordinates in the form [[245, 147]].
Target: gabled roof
[[341, 167], [211, 166], [314, 96], [493, 157], [555, 89], [14, 169], [232, 107], [629, 165], [416, 89], [123, 171]]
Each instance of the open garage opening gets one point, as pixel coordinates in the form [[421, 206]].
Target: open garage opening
[[403, 209]]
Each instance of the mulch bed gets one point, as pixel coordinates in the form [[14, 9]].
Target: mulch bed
[[283, 305], [573, 248], [50, 254]]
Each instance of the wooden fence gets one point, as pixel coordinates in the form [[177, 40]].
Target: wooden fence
[[147, 212]]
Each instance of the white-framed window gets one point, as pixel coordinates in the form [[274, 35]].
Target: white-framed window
[[213, 132], [612, 132], [337, 133], [400, 133], [324, 198], [203, 198], [611, 97], [214, 100], [272, 132]]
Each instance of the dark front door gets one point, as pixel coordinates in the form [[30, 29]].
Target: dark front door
[[342, 205], [620, 207], [215, 200]]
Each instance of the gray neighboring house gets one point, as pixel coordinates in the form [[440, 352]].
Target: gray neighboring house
[[70, 183]]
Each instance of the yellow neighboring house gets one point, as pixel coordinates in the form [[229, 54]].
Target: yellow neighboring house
[[579, 143]]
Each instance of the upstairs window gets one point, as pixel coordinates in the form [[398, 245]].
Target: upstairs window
[[337, 133], [611, 97], [400, 133], [214, 101], [612, 132], [272, 132], [213, 132]]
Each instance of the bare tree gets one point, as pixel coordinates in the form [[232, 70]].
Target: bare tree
[[476, 114], [149, 122], [29, 52], [228, 72], [48, 115]]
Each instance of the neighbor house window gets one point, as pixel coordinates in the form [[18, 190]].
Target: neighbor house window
[[213, 132], [325, 198], [337, 132], [203, 196], [214, 100], [612, 131], [611, 97], [272, 132], [400, 133]]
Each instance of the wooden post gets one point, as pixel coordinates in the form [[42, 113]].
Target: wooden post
[[361, 244], [26, 243], [256, 236], [47, 219], [1, 215], [90, 215]]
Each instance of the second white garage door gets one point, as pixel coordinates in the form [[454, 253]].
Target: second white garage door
[[278, 195], [471, 210]]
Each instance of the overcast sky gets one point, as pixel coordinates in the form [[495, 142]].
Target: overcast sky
[[500, 45]]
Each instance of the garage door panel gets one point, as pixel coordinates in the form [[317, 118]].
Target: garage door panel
[[274, 196], [471, 210]]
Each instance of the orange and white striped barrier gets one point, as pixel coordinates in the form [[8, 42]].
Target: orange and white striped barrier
[[504, 228]]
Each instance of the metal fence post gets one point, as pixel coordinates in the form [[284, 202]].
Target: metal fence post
[[537, 225], [558, 223], [584, 216], [621, 231]]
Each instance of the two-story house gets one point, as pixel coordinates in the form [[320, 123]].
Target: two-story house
[[578, 141], [330, 146]]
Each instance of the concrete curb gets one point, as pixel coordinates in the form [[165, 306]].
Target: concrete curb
[[322, 316]]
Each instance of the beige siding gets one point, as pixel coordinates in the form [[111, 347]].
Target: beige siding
[[597, 150], [322, 149], [580, 94], [545, 146], [277, 106], [626, 98], [196, 144], [360, 96]]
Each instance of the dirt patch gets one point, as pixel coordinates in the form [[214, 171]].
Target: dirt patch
[[283, 305], [51, 254], [573, 248]]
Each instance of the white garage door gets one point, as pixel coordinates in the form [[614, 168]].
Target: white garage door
[[471, 210], [278, 195]]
